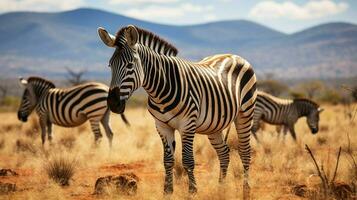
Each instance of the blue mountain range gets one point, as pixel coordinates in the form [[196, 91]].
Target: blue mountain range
[[46, 43]]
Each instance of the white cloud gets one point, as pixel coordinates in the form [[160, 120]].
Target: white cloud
[[155, 11], [290, 10], [39, 5], [114, 2]]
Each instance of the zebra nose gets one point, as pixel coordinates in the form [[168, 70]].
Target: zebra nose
[[114, 103], [21, 116], [315, 130]]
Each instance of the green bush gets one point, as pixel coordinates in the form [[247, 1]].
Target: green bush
[[331, 96], [9, 103], [272, 87]]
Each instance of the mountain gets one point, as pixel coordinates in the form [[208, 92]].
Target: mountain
[[46, 43]]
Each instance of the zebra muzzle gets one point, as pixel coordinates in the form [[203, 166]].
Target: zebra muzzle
[[114, 102], [314, 130], [21, 116]]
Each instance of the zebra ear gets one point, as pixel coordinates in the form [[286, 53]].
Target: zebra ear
[[107, 38], [131, 35], [320, 110], [23, 82]]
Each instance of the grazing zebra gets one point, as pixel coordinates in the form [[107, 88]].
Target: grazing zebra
[[285, 112], [203, 97], [66, 107]]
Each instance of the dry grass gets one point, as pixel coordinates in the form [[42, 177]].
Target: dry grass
[[60, 169], [278, 165]]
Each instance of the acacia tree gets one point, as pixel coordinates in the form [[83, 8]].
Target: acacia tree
[[311, 88], [272, 86], [354, 93], [75, 77], [3, 90]]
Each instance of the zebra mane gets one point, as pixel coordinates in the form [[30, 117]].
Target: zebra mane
[[151, 40], [303, 100], [41, 81]]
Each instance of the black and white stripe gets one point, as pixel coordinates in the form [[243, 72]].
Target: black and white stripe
[[67, 107], [203, 97], [285, 112]]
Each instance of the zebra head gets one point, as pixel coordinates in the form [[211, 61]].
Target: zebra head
[[313, 119], [125, 64], [28, 101]]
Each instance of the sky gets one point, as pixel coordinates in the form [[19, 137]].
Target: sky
[[283, 15]]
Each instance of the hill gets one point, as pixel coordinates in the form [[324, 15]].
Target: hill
[[46, 43]]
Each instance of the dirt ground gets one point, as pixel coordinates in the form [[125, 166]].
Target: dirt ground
[[278, 163]]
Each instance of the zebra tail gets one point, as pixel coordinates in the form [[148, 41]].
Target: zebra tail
[[125, 120]]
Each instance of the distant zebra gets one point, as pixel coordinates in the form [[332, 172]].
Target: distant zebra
[[285, 112], [68, 107], [203, 97]]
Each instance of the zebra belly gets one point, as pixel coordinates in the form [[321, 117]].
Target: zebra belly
[[209, 126], [73, 122]]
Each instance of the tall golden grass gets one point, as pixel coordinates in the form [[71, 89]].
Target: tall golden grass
[[278, 164]]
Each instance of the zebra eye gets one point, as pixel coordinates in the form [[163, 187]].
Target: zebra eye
[[130, 65]]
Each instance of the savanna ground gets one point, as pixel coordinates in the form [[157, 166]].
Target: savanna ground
[[277, 164]]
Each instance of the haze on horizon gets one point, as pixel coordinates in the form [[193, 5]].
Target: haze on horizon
[[283, 15]]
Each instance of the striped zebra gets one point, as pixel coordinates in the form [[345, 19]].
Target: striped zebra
[[203, 97], [67, 107], [285, 112]]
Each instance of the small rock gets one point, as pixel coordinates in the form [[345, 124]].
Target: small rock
[[6, 188], [125, 183], [8, 172]]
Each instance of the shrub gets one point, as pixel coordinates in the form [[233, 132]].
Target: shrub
[[10, 103], [273, 87], [331, 96], [60, 170], [25, 145]]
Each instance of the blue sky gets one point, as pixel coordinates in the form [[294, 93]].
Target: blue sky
[[286, 16]]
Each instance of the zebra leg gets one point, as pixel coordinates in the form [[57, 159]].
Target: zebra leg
[[243, 125], [285, 130], [188, 161], [42, 121], [292, 132], [168, 141], [105, 121], [256, 125], [49, 131], [222, 151], [96, 131], [278, 129]]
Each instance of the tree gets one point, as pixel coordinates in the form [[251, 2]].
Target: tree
[[354, 93], [3, 90], [75, 78], [311, 88], [271, 85]]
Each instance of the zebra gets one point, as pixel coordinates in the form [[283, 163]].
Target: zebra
[[68, 107], [285, 112], [203, 97]]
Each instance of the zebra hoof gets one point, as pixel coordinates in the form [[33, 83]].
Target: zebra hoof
[[168, 190], [246, 191], [192, 190]]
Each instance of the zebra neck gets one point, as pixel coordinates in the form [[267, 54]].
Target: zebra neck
[[156, 74], [303, 108], [40, 91]]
